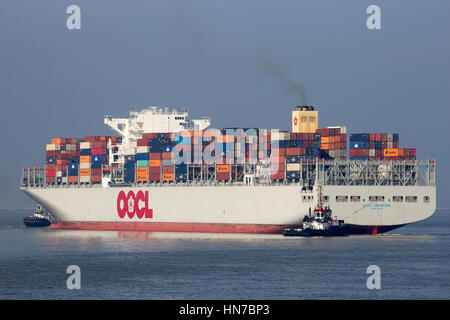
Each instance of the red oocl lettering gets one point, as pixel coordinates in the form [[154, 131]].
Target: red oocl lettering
[[121, 198], [134, 205], [140, 211]]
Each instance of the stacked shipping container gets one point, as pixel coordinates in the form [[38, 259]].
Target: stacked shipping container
[[333, 143], [378, 146], [59, 153]]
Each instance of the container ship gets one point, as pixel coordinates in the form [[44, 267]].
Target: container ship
[[161, 171]]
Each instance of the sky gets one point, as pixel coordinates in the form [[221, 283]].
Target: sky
[[241, 62]]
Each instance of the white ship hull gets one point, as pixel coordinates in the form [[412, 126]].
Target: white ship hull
[[240, 209]]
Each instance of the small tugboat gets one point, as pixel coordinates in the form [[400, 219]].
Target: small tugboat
[[40, 218], [320, 223]]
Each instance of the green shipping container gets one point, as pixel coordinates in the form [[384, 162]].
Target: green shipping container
[[142, 163]]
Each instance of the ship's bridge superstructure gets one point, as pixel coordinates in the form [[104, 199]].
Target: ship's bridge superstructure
[[154, 119]]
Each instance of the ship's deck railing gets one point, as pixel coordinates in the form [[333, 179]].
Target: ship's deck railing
[[343, 173]]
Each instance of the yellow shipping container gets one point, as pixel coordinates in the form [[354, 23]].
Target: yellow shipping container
[[390, 152]]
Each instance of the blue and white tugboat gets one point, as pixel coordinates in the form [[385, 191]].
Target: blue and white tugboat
[[320, 223], [40, 218]]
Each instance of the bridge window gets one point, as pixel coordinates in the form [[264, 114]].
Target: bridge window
[[341, 198], [355, 198], [397, 198], [325, 198], [410, 199], [376, 198], [426, 199]]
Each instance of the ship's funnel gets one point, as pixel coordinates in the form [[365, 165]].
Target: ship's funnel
[[305, 119]]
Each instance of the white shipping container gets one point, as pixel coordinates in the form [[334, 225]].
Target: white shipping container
[[85, 179], [293, 167], [65, 180], [371, 152], [142, 149], [132, 144], [85, 165], [85, 145], [71, 147], [390, 137], [52, 147], [130, 151], [343, 128], [59, 174], [280, 136], [390, 145]]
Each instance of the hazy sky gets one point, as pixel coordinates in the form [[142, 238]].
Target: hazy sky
[[240, 62]]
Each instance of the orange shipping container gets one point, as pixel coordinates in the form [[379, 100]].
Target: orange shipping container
[[293, 151], [154, 163], [223, 168], [142, 170], [324, 140], [84, 172], [224, 139], [85, 158], [141, 174], [187, 134], [390, 152], [167, 176], [56, 141]]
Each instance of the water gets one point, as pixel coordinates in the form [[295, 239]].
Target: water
[[414, 262]]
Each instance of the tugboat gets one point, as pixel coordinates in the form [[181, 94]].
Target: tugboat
[[321, 223], [40, 218]]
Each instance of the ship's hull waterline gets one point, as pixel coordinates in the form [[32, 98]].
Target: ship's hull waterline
[[228, 209]]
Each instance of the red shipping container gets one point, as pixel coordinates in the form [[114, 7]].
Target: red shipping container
[[142, 142], [97, 152], [384, 137], [50, 166], [50, 173], [148, 136], [372, 137], [154, 176], [168, 169], [73, 179], [154, 170], [277, 176], [222, 175], [293, 151], [395, 144], [167, 156], [96, 179], [50, 179], [98, 145], [49, 154], [96, 172], [155, 156]]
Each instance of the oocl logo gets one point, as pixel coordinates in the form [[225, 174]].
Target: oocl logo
[[133, 204]]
